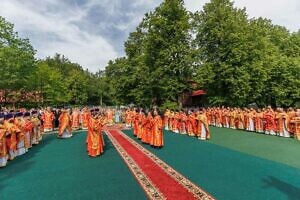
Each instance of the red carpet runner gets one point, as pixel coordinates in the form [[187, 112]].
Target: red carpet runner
[[157, 178]]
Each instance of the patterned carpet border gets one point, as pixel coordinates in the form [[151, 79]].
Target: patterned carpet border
[[150, 189], [190, 186]]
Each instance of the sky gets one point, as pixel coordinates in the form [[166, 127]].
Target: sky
[[92, 32]]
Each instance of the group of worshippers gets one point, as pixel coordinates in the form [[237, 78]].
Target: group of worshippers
[[19, 131], [277, 122], [93, 120], [148, 127], [191, 123]]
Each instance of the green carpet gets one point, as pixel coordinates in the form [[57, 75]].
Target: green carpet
[[279, 149], [236, 164], [61, 169]]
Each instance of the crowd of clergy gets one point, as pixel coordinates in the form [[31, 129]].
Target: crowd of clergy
[[18, 133], [21, 129], [191, 123], [277, 122], [147, 126]]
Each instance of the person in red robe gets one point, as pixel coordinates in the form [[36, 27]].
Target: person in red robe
[[157, 139], [147, 125], [183, 123], [191, 123], [135, 118], [28, 131], [258, 120], [36, 136], [20, 123], [202, 126], [110, 116], [296, 124], [95, 144], [11, 136], [269, 116], [281, 118], [141, 119], [166, 119], [129, 117], [291, 126], [75, 119], [47, 118], [64, 128], [3, 146], [85, 115]]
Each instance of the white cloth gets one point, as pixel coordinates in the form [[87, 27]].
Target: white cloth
[[66, 134], [3, 161], [21, 148], [203, 132]]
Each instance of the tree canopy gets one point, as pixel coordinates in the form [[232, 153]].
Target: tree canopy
[[238, 60]]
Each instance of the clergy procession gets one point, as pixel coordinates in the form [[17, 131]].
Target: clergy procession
[[277, 122], [21, 130], [156, 99]]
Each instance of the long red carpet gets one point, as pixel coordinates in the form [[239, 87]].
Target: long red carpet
[[158, 179]]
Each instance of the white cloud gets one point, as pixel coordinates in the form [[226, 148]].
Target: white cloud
[[91, 51], [282, 12]]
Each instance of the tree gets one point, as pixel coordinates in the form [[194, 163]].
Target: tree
[[158, 63], [16, 58], [51, 83], [241, 61]]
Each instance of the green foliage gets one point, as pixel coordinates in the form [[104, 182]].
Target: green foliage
[[63, 82], [16, 58], [236, 59], [158, 63], [241, 61], [169, 105]]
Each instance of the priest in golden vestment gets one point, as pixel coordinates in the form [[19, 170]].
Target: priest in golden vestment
[[11, 136], [157, 139], [75, 119], [95, 141], [3, 146], [47, 119], [64, 128], [203, 132]]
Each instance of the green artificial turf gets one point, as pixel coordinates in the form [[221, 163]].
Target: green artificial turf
[[236, 164], [61, 169], [279, 149]]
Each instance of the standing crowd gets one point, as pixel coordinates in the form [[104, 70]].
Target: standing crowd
[[21, 129], [196, 122], [191, 123], [148, 127]]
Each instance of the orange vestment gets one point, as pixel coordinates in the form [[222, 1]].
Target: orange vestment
[[157, 138], [75, 118], [85, 119], [95, 144], [147, 129], [202, 119], [64, 123], [3, 147], [296, 121], [48, 118], [135, 119], [11, 140]]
